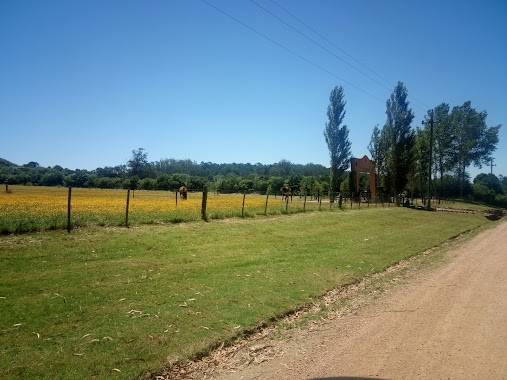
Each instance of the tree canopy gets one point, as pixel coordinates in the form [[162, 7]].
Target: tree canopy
[[400, 138], [472, 141], [337, 137], [168, 174]]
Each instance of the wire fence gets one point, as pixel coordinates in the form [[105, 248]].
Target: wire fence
[[34, 208]]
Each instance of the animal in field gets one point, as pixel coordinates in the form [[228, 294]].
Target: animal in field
[[183, 192], [290, 190], [286, 192]]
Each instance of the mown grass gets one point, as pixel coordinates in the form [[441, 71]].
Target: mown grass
[[115, 302]]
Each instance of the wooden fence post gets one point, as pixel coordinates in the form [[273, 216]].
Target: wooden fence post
[[127, 209], [243, 206], [204, 202], [68, 210], [266, 207], [304, 204], [7, 188], [176, 193]]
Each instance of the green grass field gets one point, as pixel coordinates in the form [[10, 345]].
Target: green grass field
[[116, 302]]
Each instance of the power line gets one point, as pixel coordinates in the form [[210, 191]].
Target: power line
[[343, 51], [319, 45], [331, 43], [290, 51], [309, 61]]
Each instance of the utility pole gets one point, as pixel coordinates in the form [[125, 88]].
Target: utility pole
[[491, 183], [431, 123]]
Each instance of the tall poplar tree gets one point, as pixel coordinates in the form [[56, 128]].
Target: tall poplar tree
[[378, 152], [442, 140], [400, 137], [337, 138], [419, 172]]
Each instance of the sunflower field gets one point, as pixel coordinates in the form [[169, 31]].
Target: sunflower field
[[34, 208]]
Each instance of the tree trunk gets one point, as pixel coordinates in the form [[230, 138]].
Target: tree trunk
[[441, 183], [462, 182]]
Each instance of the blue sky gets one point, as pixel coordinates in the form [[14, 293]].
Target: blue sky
[[83, 83]]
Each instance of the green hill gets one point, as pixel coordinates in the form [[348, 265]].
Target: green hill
[[4, 162]]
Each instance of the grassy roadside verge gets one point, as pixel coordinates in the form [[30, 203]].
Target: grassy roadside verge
[[112, 303]]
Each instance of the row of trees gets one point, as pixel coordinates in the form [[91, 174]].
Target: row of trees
[[485, 187], [169, 174], [402, 153]]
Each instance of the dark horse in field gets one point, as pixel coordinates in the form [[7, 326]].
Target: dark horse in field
[[183, 192], [289, 191], [286, 192]]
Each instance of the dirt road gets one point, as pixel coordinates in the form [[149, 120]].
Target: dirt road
[[446, 323]]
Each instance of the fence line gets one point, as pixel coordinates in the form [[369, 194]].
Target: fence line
[[127, 208], [204, 204], [155, 206], [68, 209]]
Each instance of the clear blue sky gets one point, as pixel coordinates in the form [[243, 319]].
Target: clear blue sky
[[83, 83]]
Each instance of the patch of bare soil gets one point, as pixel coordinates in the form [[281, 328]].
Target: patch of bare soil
[[409, 322], [491, 214]]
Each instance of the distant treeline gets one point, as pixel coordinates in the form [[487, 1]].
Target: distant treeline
[[169, 174]]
